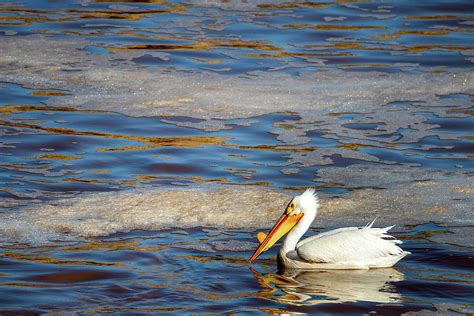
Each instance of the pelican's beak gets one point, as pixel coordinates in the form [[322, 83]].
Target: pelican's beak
[[283, 226]]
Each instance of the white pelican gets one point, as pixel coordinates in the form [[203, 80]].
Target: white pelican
[[342, 248]]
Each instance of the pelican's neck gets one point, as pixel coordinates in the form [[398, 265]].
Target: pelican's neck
[[296, 233]]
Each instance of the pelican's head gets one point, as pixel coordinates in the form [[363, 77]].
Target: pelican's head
[[304, 205]]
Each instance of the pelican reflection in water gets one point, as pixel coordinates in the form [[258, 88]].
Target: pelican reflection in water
[[343, 248], [313, 287]]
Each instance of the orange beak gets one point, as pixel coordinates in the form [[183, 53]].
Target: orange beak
[[283, 226]]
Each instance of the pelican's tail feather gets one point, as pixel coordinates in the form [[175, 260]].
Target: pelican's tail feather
[[369, 225]]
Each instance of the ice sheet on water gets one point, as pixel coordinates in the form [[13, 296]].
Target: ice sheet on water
[[107, 213], [383, 176], [420, 197], [232, 245], [101, 82], [401, 195]]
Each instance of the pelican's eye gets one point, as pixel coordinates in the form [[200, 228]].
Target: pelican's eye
[[290, 208]]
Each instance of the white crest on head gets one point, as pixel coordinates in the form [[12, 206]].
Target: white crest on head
[[307, 201]]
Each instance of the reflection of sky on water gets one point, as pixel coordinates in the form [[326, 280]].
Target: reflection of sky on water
[[74, 150], [236, 38], [382, 143]]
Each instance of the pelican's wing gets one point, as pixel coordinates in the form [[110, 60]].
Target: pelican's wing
[[358, 246]]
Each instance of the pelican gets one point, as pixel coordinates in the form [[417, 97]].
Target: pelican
[[343, 248]]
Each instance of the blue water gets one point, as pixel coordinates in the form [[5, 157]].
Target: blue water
[[97, 154], [51, 153], [140, 273], [237, 37]]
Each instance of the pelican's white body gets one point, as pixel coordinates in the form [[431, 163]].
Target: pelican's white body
[[343, 248]]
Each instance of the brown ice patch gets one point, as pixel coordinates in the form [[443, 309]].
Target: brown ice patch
[[101, 214], [170, 102], [401, 205], [106, 213], [395, 194], [100, 82]]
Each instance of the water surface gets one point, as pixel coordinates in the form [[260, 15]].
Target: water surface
[[205, 270], [239, 37], [236, 107]]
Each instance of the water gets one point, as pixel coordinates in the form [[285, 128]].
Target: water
[[187, 271], [142, 144], [239, 37]]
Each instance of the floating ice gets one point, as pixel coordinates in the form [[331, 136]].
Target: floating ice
[[106, 213], [323, 101], [104, 84], [411, 199]]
